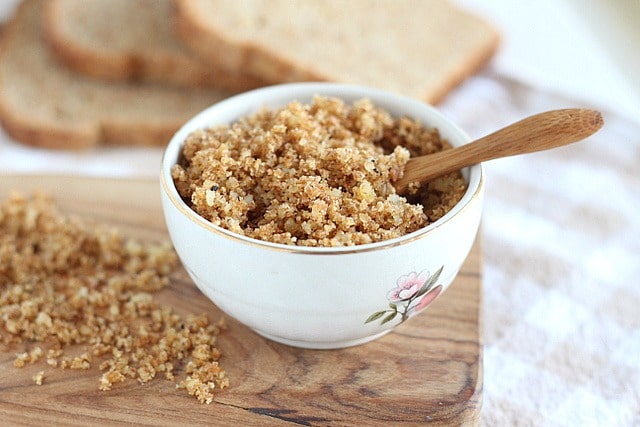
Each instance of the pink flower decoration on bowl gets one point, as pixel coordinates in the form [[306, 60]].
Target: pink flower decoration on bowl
[[407, 286], [428, 298], [412, 293]]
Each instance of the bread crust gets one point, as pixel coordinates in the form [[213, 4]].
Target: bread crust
[[217, 49], [22, 128], [207, 43], [273, 65], [462, 72], [44, 135], [153, 65], [67, 128]]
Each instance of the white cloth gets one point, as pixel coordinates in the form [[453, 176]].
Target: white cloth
[[561, 236], [560, 229], [561, 244]]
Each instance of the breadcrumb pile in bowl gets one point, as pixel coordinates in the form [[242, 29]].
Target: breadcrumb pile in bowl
[[317, 174]]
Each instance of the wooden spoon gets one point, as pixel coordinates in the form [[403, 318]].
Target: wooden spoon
[[542, 131]]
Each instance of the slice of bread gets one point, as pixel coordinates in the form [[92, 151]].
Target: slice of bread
[[130, 40], [42, 103], [421, 48]]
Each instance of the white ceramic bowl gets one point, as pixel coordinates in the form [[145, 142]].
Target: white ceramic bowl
[[321, 297]]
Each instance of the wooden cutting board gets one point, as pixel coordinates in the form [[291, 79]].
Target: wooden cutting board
[[428, 370]]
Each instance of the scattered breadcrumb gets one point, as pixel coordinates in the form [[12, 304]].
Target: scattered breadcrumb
[[30, 357], [37, 378], [75, 286], [314, 175]]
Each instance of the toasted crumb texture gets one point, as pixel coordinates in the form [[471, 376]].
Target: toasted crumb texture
[[81, 295], [38, 378], [319, 174]]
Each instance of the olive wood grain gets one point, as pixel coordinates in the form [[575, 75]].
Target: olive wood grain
[[428, 370], [542, 131]]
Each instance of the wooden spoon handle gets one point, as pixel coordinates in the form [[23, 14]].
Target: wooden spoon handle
[[542, 131]]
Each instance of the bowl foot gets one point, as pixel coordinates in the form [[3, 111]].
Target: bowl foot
[[322, 345]]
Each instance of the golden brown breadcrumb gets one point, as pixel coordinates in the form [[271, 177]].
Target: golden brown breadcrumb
[[320, 174], [67, 284]]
